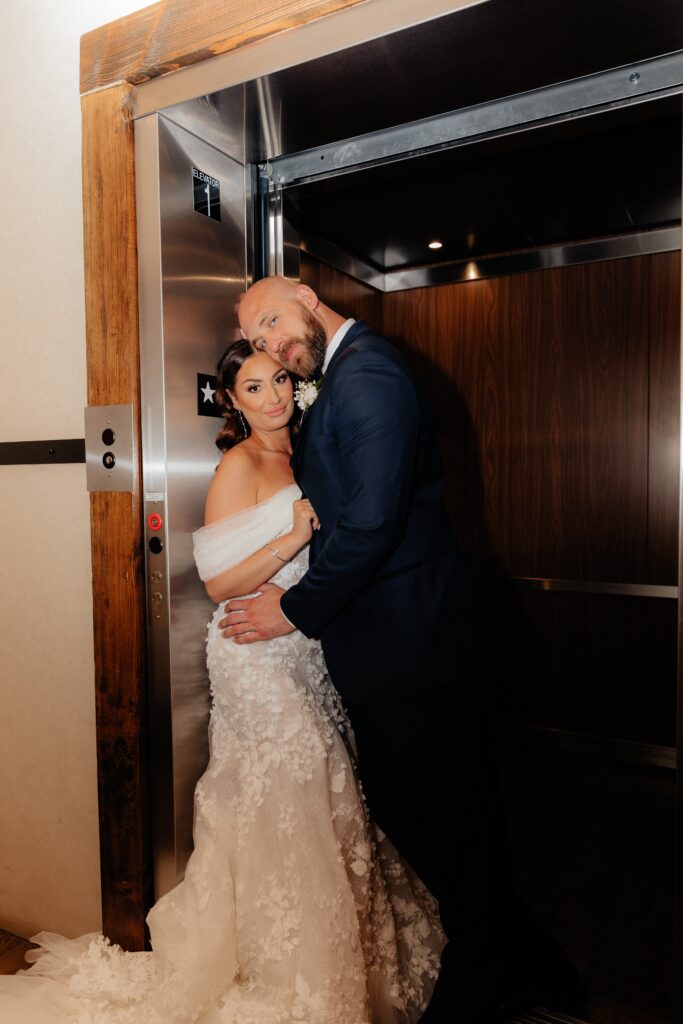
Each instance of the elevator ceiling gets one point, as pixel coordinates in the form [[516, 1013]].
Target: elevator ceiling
[[481, 53], [493, 49], [597, 177]]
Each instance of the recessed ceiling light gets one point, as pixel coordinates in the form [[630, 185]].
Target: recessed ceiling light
[[436, 244]]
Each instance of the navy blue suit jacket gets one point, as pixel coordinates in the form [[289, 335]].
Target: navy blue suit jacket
[[394, 604]]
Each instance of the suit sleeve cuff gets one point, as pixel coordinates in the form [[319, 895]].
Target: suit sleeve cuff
[[285, 600]]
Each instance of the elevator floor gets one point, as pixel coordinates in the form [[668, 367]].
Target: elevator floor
[[593, 846]]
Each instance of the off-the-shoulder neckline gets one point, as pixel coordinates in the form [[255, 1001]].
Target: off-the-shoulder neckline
[[249, 508]]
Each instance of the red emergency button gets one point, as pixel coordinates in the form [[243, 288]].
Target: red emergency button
[[155, 522]]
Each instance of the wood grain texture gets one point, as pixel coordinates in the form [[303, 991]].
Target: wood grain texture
[[556, 401], [540, 389], [594, 664], [665, 349], [342, 293], [177, 33], [116, 518]]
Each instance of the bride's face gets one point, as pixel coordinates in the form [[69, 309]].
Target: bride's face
[[264, 393]]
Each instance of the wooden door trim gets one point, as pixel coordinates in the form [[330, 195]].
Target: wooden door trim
[[174, 34], [112, 347]]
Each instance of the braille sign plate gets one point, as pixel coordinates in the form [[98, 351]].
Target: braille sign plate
[[207, 194]]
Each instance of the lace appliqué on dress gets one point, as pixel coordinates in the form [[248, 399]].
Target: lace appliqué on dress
[[295, 908]]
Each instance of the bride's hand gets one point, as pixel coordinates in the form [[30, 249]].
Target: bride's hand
[[305, 521]]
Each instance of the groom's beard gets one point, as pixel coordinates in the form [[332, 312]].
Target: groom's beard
[[308, 361]]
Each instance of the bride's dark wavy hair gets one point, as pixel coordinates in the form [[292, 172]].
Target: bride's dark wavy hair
[[236, 428]]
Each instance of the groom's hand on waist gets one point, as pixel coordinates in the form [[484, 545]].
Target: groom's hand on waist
[[249, 619]]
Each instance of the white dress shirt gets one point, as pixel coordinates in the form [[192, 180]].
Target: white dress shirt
[[334, 344], [336, 341]]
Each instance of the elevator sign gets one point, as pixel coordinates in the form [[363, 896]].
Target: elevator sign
[[207, 194], [206, 396]]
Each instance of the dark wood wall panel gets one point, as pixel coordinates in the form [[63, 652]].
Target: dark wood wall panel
[[341, 292], [540, 389], [556, 401], [555, 396], [589, 663], [665, 344]]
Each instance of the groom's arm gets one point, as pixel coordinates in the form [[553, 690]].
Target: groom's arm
[[376, 424]]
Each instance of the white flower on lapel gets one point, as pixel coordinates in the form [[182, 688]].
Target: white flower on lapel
[[306, 393]]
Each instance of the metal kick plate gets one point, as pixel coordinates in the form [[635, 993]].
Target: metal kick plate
[[109, 447]]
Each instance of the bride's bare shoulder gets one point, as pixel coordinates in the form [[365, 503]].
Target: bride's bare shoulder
[[233, 487]]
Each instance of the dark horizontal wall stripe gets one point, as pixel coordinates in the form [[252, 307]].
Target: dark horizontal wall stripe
[[34, 453]]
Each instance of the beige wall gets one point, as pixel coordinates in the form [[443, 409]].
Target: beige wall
[[49, 855]]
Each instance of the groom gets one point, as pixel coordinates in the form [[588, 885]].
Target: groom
[[406, 638]]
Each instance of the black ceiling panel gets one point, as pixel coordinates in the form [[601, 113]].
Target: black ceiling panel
[[604, 175]]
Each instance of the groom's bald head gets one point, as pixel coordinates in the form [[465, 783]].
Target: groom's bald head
[[269, 289], [288, 320]]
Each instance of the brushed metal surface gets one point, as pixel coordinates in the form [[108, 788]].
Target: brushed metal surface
[[391, 62], [583, 745], [637, 243], [654, 590], [192, 269], [322, 37], [119, 475], [619, 87]]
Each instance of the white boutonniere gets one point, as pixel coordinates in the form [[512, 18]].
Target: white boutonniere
[[306, 393]]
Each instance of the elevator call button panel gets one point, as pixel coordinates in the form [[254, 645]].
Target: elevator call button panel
[[157, 569], [109, 447]]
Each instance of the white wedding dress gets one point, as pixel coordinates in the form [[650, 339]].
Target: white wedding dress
[[294, 908]]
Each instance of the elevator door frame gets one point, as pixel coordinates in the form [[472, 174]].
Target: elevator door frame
[[110, 112]]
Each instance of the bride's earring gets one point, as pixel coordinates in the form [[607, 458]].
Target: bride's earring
[[242, 421]]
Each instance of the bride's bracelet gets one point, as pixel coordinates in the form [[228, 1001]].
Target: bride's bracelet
[[277, 554]]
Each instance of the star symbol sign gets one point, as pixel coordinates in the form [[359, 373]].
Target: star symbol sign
[[208, 392]]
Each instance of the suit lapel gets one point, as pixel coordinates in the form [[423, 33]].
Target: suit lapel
[[354, 332], [298, 446]]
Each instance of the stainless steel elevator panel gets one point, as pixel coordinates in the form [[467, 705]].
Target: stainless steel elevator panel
[[192, 269]]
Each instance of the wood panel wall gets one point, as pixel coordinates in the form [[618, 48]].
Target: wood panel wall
[[555, 396], [556, 401], [341, 292], [548, 374]]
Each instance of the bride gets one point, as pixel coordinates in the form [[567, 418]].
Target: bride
[[294, 908]]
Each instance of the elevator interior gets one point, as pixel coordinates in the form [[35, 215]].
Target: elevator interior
[[546, 329], [587, 667]]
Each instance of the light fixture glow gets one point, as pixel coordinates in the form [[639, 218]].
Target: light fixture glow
[[436, 244]]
